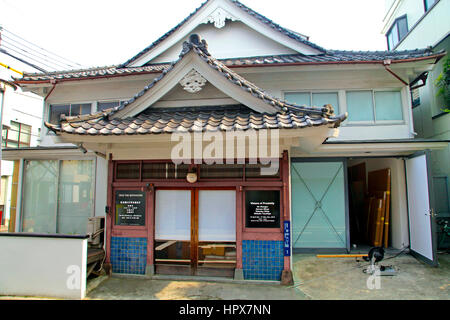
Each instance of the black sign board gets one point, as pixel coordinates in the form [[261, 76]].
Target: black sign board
[[130, 208], [262, 209]]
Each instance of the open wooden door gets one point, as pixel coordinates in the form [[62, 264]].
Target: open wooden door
[[421, 208]]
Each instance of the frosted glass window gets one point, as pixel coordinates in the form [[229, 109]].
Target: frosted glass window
[[173, 215], [298, 98], [217, 215], [58, 196], [76, 195], [322, 98], [388, 105], [40, 196], [318, 205], [360, 106]]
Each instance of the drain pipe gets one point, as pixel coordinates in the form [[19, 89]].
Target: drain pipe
[[386, 64]]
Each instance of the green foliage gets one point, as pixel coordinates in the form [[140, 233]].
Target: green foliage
[[443, 84]]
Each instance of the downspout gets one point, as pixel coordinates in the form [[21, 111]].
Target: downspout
[[386, 64]]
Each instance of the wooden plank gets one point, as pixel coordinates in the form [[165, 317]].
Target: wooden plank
[[387, 219], [165, 245], [341, 255], [377, 224]]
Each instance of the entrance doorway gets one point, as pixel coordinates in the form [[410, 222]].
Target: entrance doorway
[[195, 232]]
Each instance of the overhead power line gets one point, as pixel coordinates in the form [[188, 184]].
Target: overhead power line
[[22, 60], [68, 62], [9, 41]]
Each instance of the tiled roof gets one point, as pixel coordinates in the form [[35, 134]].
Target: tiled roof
[[200, 47], [225, 118], [258, 16], [284, 115], [333, 56]]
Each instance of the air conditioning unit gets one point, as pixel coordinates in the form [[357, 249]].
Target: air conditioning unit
[[95, 229]]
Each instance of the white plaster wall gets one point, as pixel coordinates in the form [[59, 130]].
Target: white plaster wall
[[399, 227], [35, 266], [233, 41], [433, 28]]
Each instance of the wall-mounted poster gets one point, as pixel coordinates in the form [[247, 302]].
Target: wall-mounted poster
[[262, 209], [130, 208]]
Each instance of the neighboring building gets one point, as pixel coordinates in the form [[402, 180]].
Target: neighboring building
[[126, 140], [421, 24], [21, 128]]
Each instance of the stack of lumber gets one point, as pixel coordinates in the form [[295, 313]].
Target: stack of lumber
[[377, 208]]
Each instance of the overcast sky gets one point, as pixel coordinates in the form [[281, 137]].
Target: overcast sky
[[109, 32]]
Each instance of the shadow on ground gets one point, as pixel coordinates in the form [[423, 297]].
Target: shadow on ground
[[315, 278]]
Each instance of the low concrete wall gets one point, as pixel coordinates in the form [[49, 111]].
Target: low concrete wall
[[43, 265]]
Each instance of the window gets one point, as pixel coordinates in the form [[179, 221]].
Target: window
[[397, 32], [428, 4], [374, 106], [58, 196], [317, 99], [415, 97], [103, 105], [56, 110], [18, 135]]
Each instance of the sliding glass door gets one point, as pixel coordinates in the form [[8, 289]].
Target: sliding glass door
[[195, 232]]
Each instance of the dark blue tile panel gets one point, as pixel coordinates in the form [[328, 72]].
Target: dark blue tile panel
[[128, 255], [262, 259]]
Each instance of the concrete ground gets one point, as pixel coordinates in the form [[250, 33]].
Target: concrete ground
[[120, 288], [315, 278], [343, 279]]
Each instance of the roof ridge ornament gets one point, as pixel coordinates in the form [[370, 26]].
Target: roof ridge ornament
[[219, 17], [194, 41]]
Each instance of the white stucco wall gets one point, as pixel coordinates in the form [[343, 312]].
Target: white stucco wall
[[42, 266]]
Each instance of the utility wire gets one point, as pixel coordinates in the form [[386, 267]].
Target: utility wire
[[15, 35], [22, 60], [27, 56], [37, 58], [32, 51]]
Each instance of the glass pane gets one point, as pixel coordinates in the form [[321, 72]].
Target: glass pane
[[321, 99], [222, 171], [173, 252], [388, 105], [25, 134], [173, 227], [402, 28], [298, 98], [14, 131], [217, 254], [78, 109], [155, 170], [360, 105], [173, 215], [56, 111], [318, 205], [394, 32], [107, 105], [217, 215], [254, 171], [76, 195], [429, 4], [39, 196], [128, 171]]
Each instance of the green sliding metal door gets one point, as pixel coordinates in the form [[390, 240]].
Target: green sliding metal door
[[319, 206]]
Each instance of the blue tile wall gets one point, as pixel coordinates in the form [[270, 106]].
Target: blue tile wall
[[262, 259], [128, 255]]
